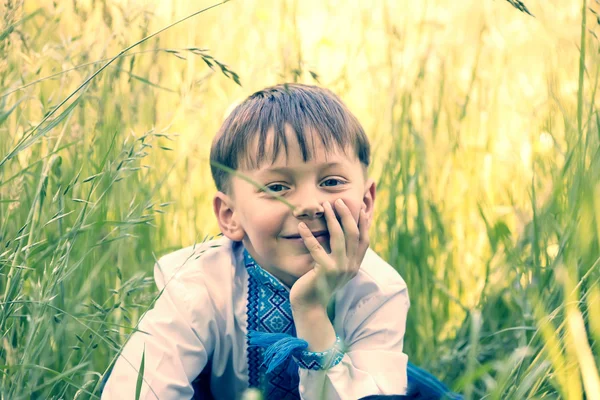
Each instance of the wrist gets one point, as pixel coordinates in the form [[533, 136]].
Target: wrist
[[321, 360], [313, 325]]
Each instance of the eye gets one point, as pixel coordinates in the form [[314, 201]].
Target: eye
[[335, 180], [274, 187]]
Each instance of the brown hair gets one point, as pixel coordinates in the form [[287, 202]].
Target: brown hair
[[303, 107]]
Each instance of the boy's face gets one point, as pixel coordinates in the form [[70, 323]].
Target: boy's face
[[268, 227]]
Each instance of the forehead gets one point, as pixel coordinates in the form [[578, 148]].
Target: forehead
[[290, 153]]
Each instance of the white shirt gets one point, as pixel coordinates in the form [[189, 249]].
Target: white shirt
[[200, 321]]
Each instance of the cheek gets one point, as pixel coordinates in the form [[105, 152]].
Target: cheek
[[264, 220], [354, 207]]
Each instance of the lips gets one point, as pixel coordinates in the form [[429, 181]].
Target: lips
[[315, 234]]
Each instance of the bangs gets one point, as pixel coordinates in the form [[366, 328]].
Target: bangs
[[245, 140], [271, 132]]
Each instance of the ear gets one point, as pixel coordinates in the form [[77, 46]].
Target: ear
[[223, 207], [369, 197]]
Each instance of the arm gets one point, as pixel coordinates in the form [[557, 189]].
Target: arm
[[374, 362], [374, 329], [174, 340]]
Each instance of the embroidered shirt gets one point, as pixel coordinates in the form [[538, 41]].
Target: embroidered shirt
[[200, 324]]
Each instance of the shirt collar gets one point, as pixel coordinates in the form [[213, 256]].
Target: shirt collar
[[261, 275]]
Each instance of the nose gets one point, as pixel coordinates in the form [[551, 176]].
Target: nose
[[309, 208]]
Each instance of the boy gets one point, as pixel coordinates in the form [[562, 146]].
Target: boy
[[290, 300]]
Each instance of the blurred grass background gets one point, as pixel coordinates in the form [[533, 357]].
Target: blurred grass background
[[485, 129]]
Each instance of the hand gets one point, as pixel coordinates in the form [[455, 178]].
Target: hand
[[349, 243]]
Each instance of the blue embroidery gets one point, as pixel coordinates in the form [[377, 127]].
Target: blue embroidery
[[323, 359], [254, 353], [269, 310]]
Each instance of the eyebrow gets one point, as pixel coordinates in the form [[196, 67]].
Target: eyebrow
[[287, 169]]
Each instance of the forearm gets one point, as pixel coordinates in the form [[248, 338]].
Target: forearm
[[313, 325], [374, 362]]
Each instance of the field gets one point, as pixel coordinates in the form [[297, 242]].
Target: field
[[485, 130]]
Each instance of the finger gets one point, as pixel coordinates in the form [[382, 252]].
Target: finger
[[317, 251], [363, 225], [350, 228], [336, 233]]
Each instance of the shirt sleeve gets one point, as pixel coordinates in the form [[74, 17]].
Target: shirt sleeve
[[374, 362], [174, 340]]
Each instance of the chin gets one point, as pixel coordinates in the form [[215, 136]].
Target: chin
[[303, 267]]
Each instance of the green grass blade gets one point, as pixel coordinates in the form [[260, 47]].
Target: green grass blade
[[140, 377]]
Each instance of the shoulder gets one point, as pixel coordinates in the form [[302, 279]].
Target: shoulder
[[203, 281], [376, 276], [212, 259], [376, 283]]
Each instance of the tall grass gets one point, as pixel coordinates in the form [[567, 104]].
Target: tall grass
[[490, 213]]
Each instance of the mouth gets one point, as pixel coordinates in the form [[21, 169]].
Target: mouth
[[315, 234]]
